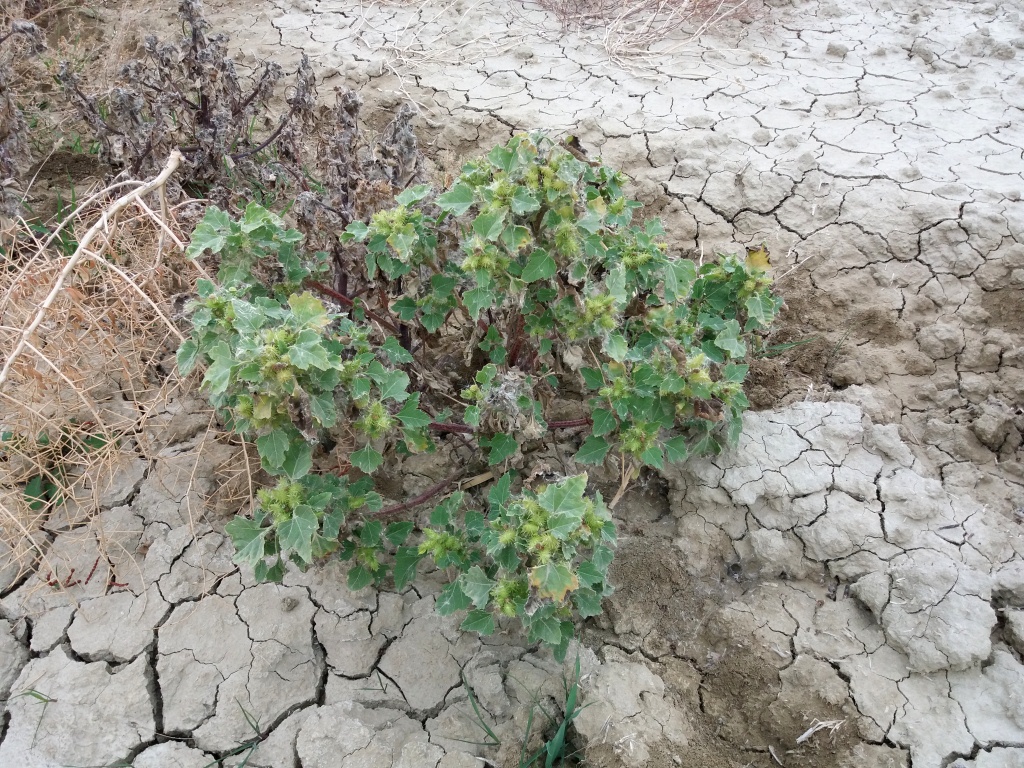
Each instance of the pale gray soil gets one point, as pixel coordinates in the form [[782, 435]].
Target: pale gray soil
[[857, 559]]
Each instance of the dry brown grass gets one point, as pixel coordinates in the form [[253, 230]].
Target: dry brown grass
[[635, 31], [86, 344]]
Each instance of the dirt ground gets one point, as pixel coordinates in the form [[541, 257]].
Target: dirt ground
[[844, 589]]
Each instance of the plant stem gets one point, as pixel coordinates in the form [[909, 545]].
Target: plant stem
[[440, 426], [428, 494], [570, 423], [347, 302]]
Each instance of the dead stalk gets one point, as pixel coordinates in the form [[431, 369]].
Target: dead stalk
[[82, 253]]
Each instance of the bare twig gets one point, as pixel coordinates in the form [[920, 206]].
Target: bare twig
[[82, 253]]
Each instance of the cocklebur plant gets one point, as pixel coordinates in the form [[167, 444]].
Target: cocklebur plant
[[531, 269], [537, 555], [551, 273]]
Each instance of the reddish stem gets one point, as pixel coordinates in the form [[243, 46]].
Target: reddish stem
[[347, 302], [439, 426], [428, 494], [570, 423], [92, 570]]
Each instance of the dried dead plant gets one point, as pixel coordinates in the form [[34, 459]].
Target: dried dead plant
[[87, 341], [432, 35], [638, 32], [17, 38]]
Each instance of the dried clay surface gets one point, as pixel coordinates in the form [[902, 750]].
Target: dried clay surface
[[844, 588]]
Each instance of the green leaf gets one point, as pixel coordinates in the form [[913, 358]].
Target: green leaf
[[296, 533], [413, 194], [406, 561], [357, 230], [249, 318], [272, 448], [472, 416], [481, 622], [615, 282], [477, 587], [540, 267], [264, 572], [761, 308], [359, 578], [565, 504], [248, 538], [441, 516], [679, 278], [727, 340], [589, 574], [35, 495], [654, 456], [565, 495], [616, 347], [298, 460], [546, 628], [308, 310], [735, 372], [411, 416], [501, 447], [405, 308], [593, 450], [553, 581], [394, 385], [714, 354], [218, 375], [397, 533], [323, 410], [501, 491], [452, 599], [395, 352], [523, 202], [187, 355], [489, 225], [604, 422], [457, 200], [477, 300], [210, 234], [332, 523], [475, 525], [503, 158], [366, 459], [592, 377], [558, 652], [308, 351], [587, 602], [602, 558], [676, 450], [369, 534]]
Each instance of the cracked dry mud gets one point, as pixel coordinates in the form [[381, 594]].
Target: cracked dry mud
[[857, 558]]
